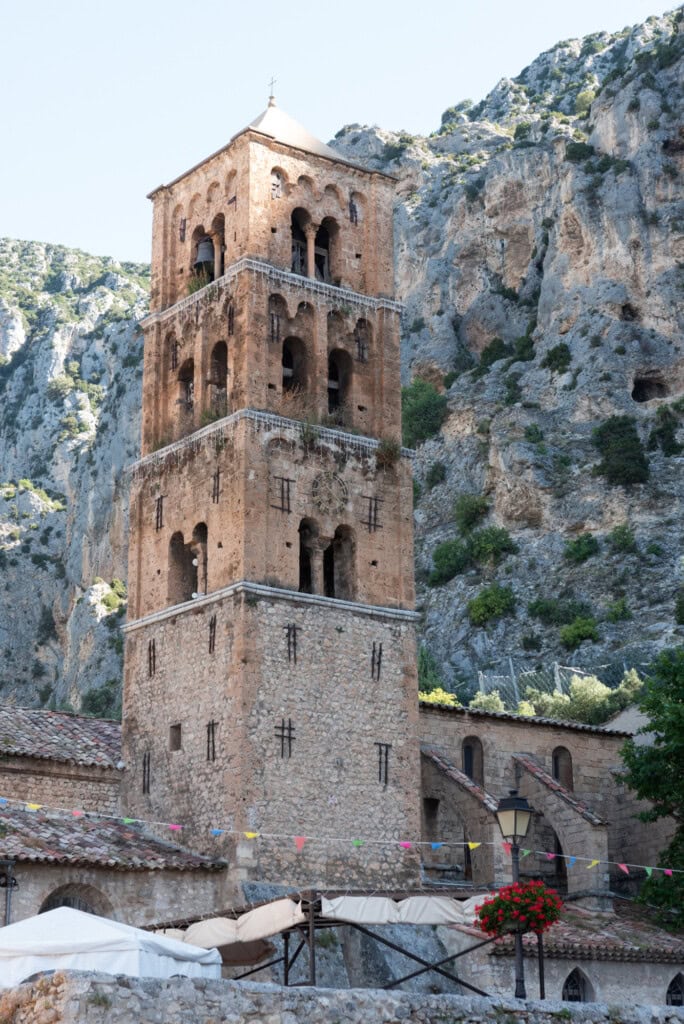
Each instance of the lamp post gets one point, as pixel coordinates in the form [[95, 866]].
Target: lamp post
[[513, 815]]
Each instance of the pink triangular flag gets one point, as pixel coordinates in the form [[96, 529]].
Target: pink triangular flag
[[175, 828], [405, 846], [623, 867], [668, 872], [507, 847], [299, 843], [77, 814], [550, 856]]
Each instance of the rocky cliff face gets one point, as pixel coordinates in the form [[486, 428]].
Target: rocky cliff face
[[539, 253]]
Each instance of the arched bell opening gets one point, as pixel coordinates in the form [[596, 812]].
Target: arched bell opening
[[325, 245], [218, 379], [199, 552], [473, 759], [299, 221], [202, 268], [339, 382], [182, 576], [308, 547], [339, 572], [186, 383]]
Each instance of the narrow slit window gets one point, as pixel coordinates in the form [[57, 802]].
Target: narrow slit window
[[211, 740], [291, 631], [151, 658], [174, 354], [353, 211], [212, 634], [231, 319], [275, 327], [159, 513], [182, 228], [146, 772], [376, 661], [175, 737], [216, 487], [383, 762]]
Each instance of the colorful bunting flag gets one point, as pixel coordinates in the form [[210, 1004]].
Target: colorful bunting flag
[[175, 828], [436, 846], [592, 864], [33, 807], [550, 856], [623, 867], [217, 831], [572, 861], [474, 846], [357, 842], [406, 846], [507, 847], [77, 814], [3, 800], [299, 843], [649, 872], [128, 821], [525, 853], [668, 872], [251, 835]]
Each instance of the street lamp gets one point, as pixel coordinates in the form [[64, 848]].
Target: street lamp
[[513, 815]]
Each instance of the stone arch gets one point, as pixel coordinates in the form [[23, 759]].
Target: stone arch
[[202, 255], [199, 550], [339, 565], [675, 991], [326, 246], [186, 383], [333, 192], [304, 181], [308, 552], [473, 759], [340, 373], [577, 988], [213, 193], [194, 206], [78, 896], [218, 379], [182, 574], [363, 339], [279, 183], [229, 184], [278, 316], [300, 219], [294, 362], [357, 207], [561, 767]]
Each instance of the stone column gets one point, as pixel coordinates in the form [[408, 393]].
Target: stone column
[[310, 232], [216, 239]]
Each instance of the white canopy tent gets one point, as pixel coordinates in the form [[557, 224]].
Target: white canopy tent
[[66, 939]]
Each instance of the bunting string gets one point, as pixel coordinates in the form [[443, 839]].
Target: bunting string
[[299, 841]]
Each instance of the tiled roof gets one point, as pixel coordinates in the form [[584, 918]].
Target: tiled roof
[[61, 839], [459, 777], [58, 736], [583, 934], [532, 766], [508, 716]]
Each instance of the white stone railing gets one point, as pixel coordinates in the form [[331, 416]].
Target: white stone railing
[[222, 429], [308, 285]]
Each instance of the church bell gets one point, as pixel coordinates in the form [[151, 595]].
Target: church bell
[[205, 252]]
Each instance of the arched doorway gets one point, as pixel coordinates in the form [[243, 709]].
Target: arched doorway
[[577, 988]]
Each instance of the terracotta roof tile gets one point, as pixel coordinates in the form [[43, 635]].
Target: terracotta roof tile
[[509, 716], [58, 736], [459, 777], [532, 766], [61, 839]]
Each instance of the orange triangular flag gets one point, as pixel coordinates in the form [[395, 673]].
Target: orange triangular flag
[[299, 843]]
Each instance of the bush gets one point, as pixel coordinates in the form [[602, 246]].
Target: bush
[[584, 101], [429, 678], [553, 612], [436, 474], [422, 413], [469, 509], [487, 702], [578, 151], [624, 460], [534, 434], [103, 702], [572, 635], [496, 349], [388, 452], [618, 611], [491, 544], [491, 603], [450, 558], [621, 539], [439, 696], [558, 359], [582, 548], [664, 433], [679, 607]]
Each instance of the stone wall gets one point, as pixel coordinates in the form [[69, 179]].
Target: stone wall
[[280, 660], [68, 998], [70, 786]]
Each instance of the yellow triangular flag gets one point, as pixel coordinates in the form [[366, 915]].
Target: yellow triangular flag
[[33, 807], [474, 846], [251, 835], [593, 864]]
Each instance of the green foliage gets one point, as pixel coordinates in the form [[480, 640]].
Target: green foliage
[[624, 460], [111, 601], [589, 700], [47, 628], [416, 492], [436, 474], [551, 611], [576, 152], [577, 631], [513, 392], [439, 696], [103, 701], [197, 282], [618, 611], [679, 607], [491, 603], [449, 558], [664, 433], [59, 387], [423, 411], [417, 325], [582, 548], [654, 772], [522, 130], [119, 588], [622, 540], [429, 678], [491, 544], [533, 433], [496, 349], [469, 509], [557, 359], [584, 101], [487, 702]]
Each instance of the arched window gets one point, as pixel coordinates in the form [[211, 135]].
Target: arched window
[[299, 220], [675, 991], [324, 250], [186, 383], [294, 364], [182, 580], [202, 259], [277, 182], [308, 546], [561, 763], [198, 550], [218, 378], [363, 334], [577, 988], [339, 576], [79, 897], [339, 379], [473, 759]]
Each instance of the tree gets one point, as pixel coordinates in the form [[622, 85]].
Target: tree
[[655, 773]]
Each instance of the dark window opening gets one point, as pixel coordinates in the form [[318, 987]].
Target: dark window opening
[[218, 379], [203, 264], [175, 742], [629, 312], [174, 347], [276, 185], [308, 540], [431, 816], [322, 254], [299, 257], [159, 512], [675, 991], [353, 211], [187, 566], [186, 383], [182, 228], [74, 902], [199, 551], [576, 988], [338, 565], [146, 772], [561, 766], [293, 363], [211, 740], [376, 661], [473, 759], [231, 319], [339, 377], [151, 658], [275, 327], [216, 487], [383, 762]]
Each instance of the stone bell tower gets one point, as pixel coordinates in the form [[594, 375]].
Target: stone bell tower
[[270, 662]]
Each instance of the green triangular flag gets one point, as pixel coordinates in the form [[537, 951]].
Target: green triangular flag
[[128, 821], [525, 853], [649, 872]]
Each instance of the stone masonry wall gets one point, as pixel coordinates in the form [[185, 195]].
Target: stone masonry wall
[[60, 785], [329, 785], [68, 998]]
